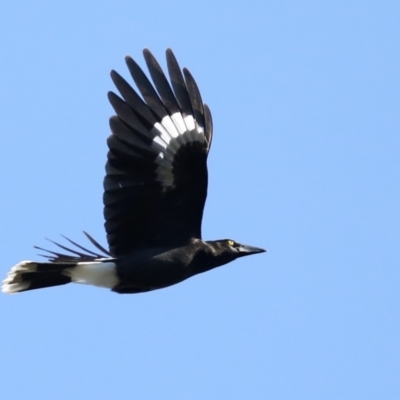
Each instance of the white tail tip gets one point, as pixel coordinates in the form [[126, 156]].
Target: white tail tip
[[14, 283]]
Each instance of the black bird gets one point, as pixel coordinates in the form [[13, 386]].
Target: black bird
[[154, 193]]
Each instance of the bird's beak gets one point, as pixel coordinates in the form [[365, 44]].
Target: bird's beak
[[247, 250]]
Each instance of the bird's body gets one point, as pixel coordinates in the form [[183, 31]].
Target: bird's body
[[154, 193], [162, 267]]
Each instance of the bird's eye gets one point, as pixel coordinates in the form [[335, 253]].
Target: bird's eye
[[231, 243]]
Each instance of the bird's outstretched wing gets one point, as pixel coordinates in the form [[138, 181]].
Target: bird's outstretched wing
[[156, 174]]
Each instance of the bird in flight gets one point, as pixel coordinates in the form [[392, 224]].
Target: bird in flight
[[154, 193]]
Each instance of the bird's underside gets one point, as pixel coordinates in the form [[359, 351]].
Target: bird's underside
[[154, 191]]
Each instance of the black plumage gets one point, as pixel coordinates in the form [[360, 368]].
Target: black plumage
[[154, 193]]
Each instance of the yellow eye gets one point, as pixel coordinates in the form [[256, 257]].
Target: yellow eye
[[231, 243]]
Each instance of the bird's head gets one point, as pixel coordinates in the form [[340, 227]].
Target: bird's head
[[228, 250]]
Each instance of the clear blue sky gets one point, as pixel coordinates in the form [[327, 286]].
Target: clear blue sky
[[305, 97]]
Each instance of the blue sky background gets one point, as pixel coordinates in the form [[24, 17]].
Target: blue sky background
[[305, 97]]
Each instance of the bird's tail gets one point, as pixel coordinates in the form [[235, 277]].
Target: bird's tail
[[28, 275]]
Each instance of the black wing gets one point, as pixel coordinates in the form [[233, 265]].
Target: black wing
[[156, 174], [75, 255]]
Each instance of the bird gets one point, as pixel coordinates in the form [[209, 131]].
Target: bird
[[155, 188]]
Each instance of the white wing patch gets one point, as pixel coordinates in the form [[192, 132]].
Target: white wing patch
[[172, 133]]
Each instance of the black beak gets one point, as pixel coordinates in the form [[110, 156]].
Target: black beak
[[245, 250]]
